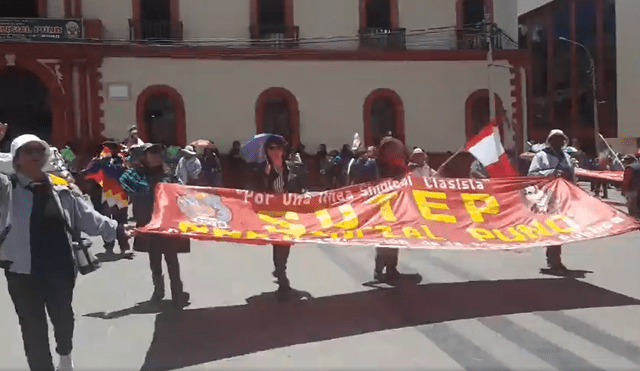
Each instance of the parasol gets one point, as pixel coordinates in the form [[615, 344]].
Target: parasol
[[253, 150], [201, 143]]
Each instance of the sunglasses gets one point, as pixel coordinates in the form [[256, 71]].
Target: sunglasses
[[31, 151]]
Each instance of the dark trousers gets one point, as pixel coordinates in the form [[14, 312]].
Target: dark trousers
[[554, 255], [280, 258], [30, 297], [121, 216], [173, 268], [386, 258]]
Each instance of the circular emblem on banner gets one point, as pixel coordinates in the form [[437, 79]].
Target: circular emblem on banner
[[205, 209]]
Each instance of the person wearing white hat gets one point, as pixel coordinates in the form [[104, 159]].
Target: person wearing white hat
[[189, 167], [39, 221], [419, 163], [553, 161]]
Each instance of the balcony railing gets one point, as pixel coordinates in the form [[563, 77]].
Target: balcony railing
[[475, 38], [275, 36], [383, 38], [154, 30]]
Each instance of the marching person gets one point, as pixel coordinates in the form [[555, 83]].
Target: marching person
[[189, 167], [40, 220], [133, 139], [419, 163], [274, 178], [140, 183], [553, 161], [631, 184]]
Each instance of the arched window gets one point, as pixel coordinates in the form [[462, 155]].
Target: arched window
[[277, 113], [383, 116], [473, 12], [477, 112], [161, 116]]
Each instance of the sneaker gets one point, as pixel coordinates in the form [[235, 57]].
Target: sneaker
[[65, 363], [127, 255]]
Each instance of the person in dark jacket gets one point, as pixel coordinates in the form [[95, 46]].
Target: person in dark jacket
[[274, 178], [140, 183], [39, 222]]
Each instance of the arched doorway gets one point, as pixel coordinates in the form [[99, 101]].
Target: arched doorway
[[383, 116], [161, 116], [477, 112], [24, 105], [277, 112]]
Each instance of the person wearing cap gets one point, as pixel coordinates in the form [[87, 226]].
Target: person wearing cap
[[133, 139], [553, 161], [419, 162], [274, 178], [140, 183], [189, 167], [631, 183], [39, 222]]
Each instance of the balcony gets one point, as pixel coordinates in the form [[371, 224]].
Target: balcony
[[157, 31], [475, 38], [274, 36], [383, 38]]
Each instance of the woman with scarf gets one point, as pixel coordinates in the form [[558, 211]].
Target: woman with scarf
[[140, 183]]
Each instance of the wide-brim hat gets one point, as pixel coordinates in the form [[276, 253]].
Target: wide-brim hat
[[148, 146], [557, 132], [189, 150]]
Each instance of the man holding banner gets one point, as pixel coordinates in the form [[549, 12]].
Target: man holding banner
[[553, 161]]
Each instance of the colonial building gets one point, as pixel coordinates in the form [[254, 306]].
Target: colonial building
[[315, 71], [561, 92]]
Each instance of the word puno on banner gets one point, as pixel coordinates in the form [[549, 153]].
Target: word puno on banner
[[427, 213]]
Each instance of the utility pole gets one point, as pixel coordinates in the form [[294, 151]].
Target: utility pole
[[594, 87]]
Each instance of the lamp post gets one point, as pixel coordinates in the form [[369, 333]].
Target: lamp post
[[592, 70]]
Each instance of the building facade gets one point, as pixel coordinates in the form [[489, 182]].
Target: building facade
[[313, 71], [561, 93]]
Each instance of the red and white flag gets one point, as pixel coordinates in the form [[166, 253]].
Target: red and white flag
[[487, 148]]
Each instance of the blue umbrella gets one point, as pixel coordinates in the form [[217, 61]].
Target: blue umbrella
[[253, 150]]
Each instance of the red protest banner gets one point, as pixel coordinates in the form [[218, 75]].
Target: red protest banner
[[430, 213], [611, 176]]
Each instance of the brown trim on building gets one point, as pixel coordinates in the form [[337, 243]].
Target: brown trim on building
[[575, 115], [77, 8], [398, 106], [460, 12], [69, 130], [43, 8], [394, 14], [178, 103], [67, 7], [85, 129], [292, 105], [95, 101]]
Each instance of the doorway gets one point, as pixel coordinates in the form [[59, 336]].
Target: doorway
[[19, 9], [160, 120], [24, 105]]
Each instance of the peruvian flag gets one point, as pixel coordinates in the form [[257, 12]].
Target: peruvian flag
[[487, 148]]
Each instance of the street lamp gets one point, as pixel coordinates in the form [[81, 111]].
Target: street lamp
[[592, 70]]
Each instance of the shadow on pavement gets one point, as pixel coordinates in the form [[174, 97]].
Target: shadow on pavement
[[205, 335], [146, 307]]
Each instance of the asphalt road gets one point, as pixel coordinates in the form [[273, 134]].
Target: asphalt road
[[471, 311]]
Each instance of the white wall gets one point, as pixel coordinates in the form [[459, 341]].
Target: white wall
[[219, 19], [114, 14], [506, 17], [220, 96], [628, 46], [55, 9]]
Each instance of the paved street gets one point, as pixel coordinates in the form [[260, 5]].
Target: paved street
[[471, 311]]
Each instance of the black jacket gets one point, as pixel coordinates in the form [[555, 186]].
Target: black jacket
[[263, 182]]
